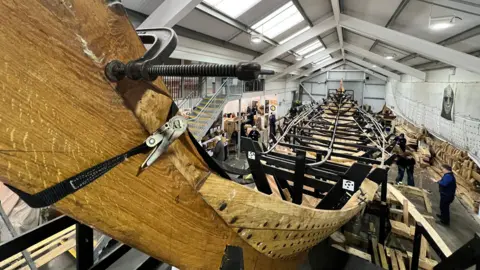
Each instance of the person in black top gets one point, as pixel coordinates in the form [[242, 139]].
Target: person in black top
[[254, 134], [401, 141], [250, 119], [249, 110], [243, 130], [254, 110], [447, 187], [272, 120], [405, 162], [219, 150]]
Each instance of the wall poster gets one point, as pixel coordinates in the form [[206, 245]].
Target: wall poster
[[448, 101]]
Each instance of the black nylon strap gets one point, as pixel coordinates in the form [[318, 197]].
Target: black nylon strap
[[68, 186]]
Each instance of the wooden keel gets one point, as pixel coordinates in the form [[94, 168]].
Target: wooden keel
[[60, 116]]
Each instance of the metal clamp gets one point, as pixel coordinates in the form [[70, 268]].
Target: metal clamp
[[162, 138]]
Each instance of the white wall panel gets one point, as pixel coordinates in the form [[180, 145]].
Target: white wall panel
[[421, 104]]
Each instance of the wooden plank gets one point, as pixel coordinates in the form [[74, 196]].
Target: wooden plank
[[354, 251], [405, 211], [400, 228], [419, 218], [53, 253], [55, 89], [33, 248], [401, 262], [40, 251], [383, 257], [393, 259], [376, 257], [423, 248], [426, 263], [428, 203]]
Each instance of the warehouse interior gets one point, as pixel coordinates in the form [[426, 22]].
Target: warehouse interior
[[290, 100]]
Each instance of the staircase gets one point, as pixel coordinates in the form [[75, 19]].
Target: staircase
[[207, 111]]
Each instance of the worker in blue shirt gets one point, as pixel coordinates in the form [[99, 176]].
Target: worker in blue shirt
[[447, 186]]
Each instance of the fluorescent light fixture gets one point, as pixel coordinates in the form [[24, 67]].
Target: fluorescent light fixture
[[298, 58], [279, 21], [374, 66], [309, 48], [390, 56], [294, 35], [256, 39], [232, 8], [314, 52], [440, 23], [321, 61]]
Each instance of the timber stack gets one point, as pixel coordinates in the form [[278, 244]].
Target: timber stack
[[432, 152]]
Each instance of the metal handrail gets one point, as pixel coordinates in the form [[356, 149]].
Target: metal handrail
[[209, 101], [186, 98]]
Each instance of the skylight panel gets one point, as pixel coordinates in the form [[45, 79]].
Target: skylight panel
[[309, 48], [294, 35], [233, 8], [279, 21], [323, 60], [314, 52]]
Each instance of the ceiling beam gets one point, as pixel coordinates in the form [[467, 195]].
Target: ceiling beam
[[366, 70], [317, 30], [376, 69], [382, 61], [457, 5], [472, 32], [306, 61], [392, 19], [306, 18], [336, 15], [312, 69], [420, 46], [320, 72], [169, 13]]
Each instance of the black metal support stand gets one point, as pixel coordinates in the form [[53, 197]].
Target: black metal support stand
[[299, 177], [84, 238], [253, 158], [233, 259]]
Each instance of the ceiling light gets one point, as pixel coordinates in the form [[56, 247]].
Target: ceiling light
[[256, 39], [232, 8], [374, 66], [390, 56], [314, 52], [440, 23], [279, 21], [298, 57]]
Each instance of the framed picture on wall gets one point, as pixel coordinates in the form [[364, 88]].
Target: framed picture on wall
[[447, 103]]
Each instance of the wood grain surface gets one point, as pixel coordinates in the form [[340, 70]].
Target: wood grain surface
[[59, 116]]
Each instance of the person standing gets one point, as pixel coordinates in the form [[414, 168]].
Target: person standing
[[254, 134], [271, 121], [219, 150], [447, 187], [405, 162]]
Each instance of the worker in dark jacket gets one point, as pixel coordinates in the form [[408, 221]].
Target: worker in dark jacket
[[219, 150], [405, 162], [401, 141], [447, 186], [272, 120], [254, 134]]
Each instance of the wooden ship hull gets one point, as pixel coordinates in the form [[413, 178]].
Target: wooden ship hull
[[60, 116]]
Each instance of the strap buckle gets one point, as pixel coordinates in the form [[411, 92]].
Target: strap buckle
[[162, 138]]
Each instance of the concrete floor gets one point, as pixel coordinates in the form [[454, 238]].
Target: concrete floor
[[463, 223]]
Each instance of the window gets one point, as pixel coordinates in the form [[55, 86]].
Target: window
[[233, 8], [314, 52], [323, 60], [279, 21], [294, 35], [309, 48]]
